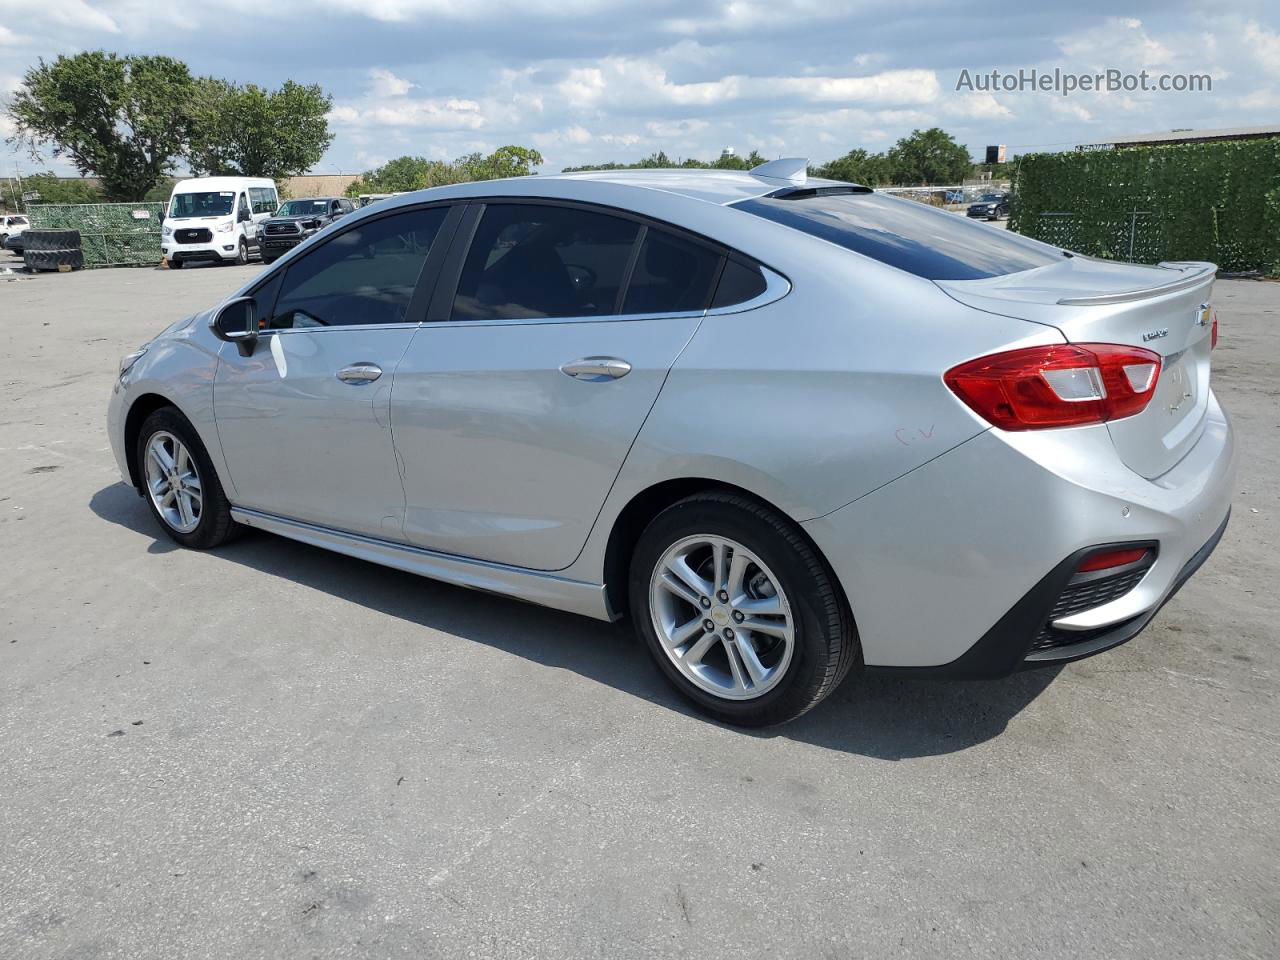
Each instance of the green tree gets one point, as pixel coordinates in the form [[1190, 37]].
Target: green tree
[[122, 119], [54, 189], [857, 166], [928, 157], [417, 173], [508, 161], [252, 132], [660, 161]]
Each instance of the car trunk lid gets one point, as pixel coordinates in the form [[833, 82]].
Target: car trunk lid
[[1165, 309]]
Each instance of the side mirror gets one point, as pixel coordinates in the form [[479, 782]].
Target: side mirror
[[244, 216], [237, 322]]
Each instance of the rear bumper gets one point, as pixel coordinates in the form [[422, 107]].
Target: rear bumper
[[956, 566], [1005, 648]]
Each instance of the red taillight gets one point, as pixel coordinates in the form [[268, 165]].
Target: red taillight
[[1112, 558], [1213, 336], [1057, 386]]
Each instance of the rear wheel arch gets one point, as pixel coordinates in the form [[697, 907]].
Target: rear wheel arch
[[642, 508]]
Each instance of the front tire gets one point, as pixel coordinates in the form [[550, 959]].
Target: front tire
[[179, 483], [242, 253], [740, 613], [175, 264]]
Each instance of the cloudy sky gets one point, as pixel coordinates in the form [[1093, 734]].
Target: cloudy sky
[[586, 80]]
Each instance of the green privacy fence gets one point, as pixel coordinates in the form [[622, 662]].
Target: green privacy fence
[[111, 234], [1204, 201]]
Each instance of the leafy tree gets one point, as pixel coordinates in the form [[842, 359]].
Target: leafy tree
[[927, 157], [122, 119], [508, 161], [252, 132], [660, 161], [857, 166], [53, 189], [417, 173]]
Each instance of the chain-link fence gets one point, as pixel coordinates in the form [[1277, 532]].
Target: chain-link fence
[[111, 234]]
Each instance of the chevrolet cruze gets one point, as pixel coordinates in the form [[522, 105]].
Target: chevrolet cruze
[[790, 427]]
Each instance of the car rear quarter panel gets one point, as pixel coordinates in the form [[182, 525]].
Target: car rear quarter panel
[[819, 398]]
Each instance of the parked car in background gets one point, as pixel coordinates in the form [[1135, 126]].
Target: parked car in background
[[11, 226], [793, 428], [296, 220], [16, 243], [990, 206], [215, 219]]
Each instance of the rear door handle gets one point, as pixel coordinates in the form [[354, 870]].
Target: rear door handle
[[358, 373], [596, 369]]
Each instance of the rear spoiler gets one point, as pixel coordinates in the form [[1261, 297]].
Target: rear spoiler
[[1191, 273]]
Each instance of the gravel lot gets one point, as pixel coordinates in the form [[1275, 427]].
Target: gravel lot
[[269, 751]]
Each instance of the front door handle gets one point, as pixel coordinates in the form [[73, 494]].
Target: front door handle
[[359, 373], [596, 369]]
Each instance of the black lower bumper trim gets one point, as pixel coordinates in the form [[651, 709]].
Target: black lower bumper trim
[[1004, 648], [196, 256]]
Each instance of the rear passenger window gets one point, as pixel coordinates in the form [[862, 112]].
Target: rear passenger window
[[671, 275], [541, 260], [365, 275], [740, 281]]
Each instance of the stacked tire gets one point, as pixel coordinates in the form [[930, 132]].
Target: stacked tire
[[52, 250]]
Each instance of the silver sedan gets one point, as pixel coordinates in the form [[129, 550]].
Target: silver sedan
[[790, 427]]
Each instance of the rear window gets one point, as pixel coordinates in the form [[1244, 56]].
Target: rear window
[[906, 234]]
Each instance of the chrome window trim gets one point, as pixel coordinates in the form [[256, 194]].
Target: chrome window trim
[[602, 318], [776, 287]]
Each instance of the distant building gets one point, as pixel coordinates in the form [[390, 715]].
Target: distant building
[[1184, 136]]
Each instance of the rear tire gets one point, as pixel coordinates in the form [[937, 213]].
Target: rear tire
[[179, 483], [793, 593]]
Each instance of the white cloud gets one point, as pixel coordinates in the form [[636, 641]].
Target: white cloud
[[387, 84], [675, 128], [406, 112], [574, 135], [1117, 42], [1265, 45], [976, 105], [76, 13]]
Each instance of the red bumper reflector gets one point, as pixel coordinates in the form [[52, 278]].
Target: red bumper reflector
[[1112, 558]]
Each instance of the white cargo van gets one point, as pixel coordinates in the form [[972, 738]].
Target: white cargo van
[[216, 219]]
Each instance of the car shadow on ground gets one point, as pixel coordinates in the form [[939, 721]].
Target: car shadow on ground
[[875, 715]]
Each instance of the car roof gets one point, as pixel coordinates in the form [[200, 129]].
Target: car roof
[[707, 185]]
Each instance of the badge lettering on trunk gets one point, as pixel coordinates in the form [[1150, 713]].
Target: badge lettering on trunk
[[1155, 334]]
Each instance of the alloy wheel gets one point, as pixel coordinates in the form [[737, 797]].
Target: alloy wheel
[[173, 482], [722, 617]]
